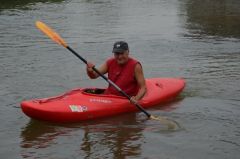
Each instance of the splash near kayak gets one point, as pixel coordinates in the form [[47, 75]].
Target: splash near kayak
[[89, 103]]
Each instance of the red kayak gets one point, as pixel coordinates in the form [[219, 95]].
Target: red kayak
[[88, 103]]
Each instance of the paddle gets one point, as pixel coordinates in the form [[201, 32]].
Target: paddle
[[55, 37]]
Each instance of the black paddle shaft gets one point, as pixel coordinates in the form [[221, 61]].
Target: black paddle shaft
[[109, 81]]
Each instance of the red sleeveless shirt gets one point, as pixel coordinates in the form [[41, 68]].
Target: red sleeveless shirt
[[123, 76]]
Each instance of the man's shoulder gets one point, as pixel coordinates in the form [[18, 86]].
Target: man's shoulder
[[109, 61], [134, 61]]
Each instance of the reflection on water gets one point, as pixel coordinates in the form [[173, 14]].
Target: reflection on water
[[212, 66], [39, 134], [114, 137], [121, 140], [117, 137], [213, 18], [22, 4]]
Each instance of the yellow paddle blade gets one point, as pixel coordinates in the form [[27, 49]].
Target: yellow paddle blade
[[50, 33], [172, 125]]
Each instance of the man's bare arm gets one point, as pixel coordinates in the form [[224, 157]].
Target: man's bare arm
[[92, 74], [141, 82]]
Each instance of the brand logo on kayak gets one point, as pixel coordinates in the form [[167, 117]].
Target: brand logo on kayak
[[100, 100], [78, 108]]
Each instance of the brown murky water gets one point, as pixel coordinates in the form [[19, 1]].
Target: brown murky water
[[197, 40]]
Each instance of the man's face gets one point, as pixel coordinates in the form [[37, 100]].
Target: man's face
[[122, 57]]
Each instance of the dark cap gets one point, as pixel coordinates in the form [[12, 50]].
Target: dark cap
[[120, 46]]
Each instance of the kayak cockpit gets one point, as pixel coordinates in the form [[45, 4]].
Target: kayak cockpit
[[94, 90]]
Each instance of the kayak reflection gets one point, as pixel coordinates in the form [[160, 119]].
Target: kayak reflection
[[38, 136], [116, 137], [121, 140]]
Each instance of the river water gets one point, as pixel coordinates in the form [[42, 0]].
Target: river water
[[198, 40]]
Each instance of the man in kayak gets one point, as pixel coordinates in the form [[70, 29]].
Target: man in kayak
[[124, 71]]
